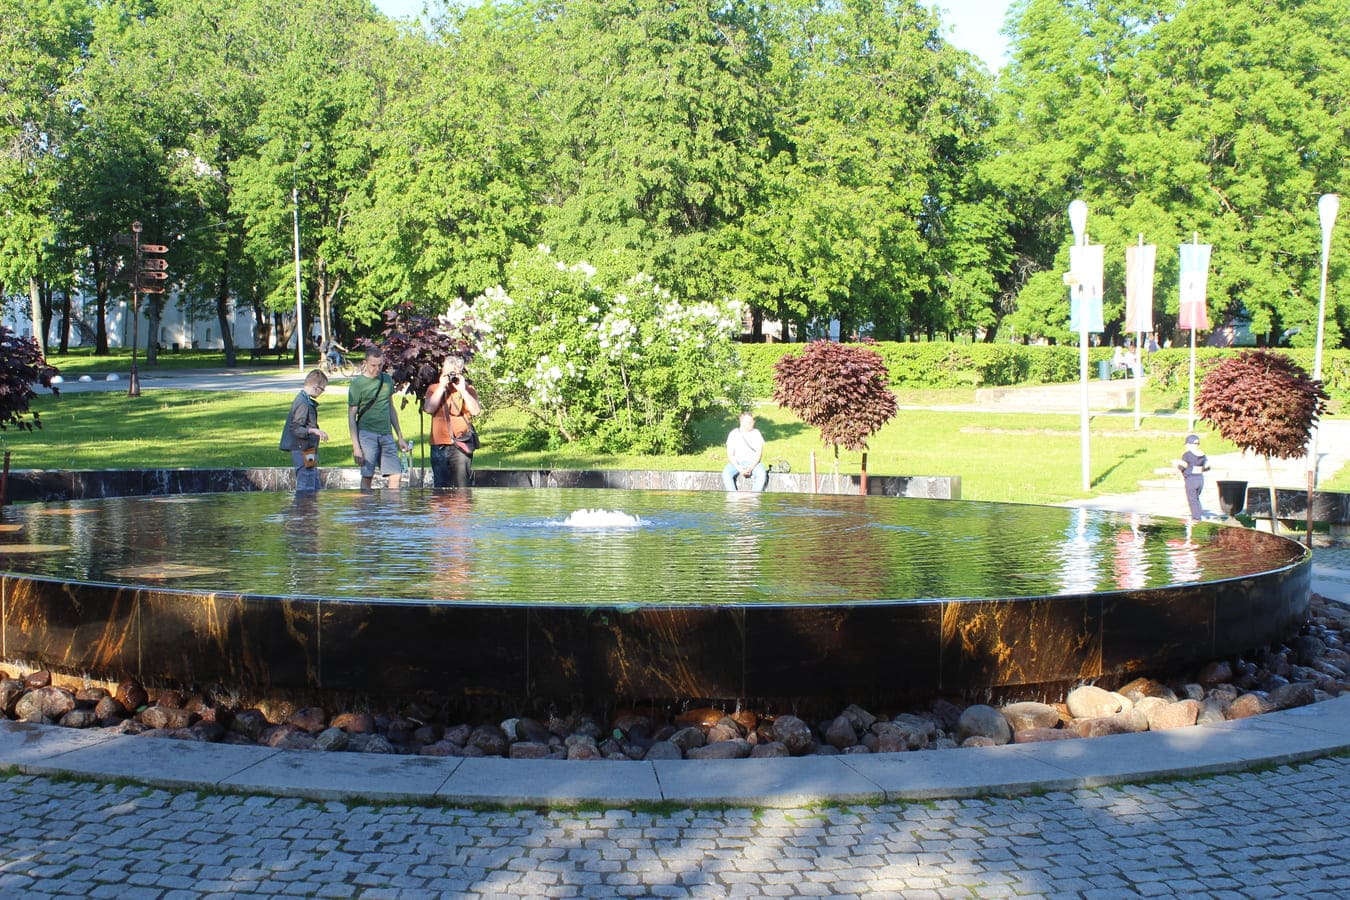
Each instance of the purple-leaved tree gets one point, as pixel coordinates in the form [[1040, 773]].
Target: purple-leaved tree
[[840, 389], [1263, 402]]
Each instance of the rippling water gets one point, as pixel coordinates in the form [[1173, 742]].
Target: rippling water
[[508, 545]]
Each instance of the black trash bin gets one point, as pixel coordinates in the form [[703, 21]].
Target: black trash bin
[[1232, 497]]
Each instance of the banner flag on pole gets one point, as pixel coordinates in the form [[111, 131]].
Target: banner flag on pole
[[1086, 262], [1194, 282], [1139, 264]]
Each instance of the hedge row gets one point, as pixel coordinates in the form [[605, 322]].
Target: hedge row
[[942, 365]]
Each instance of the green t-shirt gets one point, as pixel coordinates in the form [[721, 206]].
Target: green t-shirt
[[372, 416]]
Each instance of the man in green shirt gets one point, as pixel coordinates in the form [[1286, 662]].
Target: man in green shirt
[[373, 422]]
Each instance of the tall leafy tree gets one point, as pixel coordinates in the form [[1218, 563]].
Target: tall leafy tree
[[42, 46]]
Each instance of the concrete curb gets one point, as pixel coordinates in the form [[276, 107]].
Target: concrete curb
[[1273, 739]]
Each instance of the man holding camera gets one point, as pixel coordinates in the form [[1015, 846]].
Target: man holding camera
[[452, 402]]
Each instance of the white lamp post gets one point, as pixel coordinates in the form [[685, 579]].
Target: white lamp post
[[1078, 212], [1327, 207], [295, 218]]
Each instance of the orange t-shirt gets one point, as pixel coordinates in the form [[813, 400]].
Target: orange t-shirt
[[451, 419]]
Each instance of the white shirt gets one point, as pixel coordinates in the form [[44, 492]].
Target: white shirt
[[744, 448]]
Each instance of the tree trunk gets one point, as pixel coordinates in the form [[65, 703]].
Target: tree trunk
[[65, 321], [1274, 512], [35, 310], [156, 307], [223, 311], [100, 270]]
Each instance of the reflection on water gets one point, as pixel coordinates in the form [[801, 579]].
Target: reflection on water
[[509, 545]]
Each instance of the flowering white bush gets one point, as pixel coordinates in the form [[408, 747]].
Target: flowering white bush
[[614, 368]]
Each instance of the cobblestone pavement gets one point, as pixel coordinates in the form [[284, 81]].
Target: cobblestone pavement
[[1275, 833]]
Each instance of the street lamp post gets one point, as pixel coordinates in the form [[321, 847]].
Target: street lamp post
[[1078, 212], [1327, 207], [134, 380], [299, 309]]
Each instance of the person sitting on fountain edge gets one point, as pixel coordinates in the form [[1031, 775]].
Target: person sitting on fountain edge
[[452, 402], [745, 455]]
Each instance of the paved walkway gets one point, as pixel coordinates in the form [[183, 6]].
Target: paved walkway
[[1278, 833]]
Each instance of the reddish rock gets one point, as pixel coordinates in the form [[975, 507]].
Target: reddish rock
[[840, 733], [110, 711], [703, 717], [726, 729], [88, 697], [793, 733], [172, 699], [164, 717], [529, 750], [45, 704], [1182, 714], [1217, 672], [131, 695], [1041, 735], [250, 723], [1248, 705], [364, 723], [311, 719], [1022, 716], [39, 679]]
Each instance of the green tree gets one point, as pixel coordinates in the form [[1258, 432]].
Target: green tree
[[41, 48]]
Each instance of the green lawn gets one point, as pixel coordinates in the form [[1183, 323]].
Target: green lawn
[[1017, 457], [82, 361]]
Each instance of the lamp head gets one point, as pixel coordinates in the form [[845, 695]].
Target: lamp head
[[1327, 207], [1078, 211]]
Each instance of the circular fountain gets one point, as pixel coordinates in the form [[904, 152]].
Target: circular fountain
[[644, 594]]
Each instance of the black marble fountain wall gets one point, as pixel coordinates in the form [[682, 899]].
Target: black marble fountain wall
[[39, 484], [894, 651]]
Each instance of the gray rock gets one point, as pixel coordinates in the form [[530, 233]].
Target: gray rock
[[532, 730], [724, 730], [1300, 693], [1193, 691], [80, 718], [582, 746], [664, 750], [735, 749], [1212, 711], [770, 750], [861, 719], [688, 738], [250, 723], [377, 743], [331, 740], [981, 720]]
